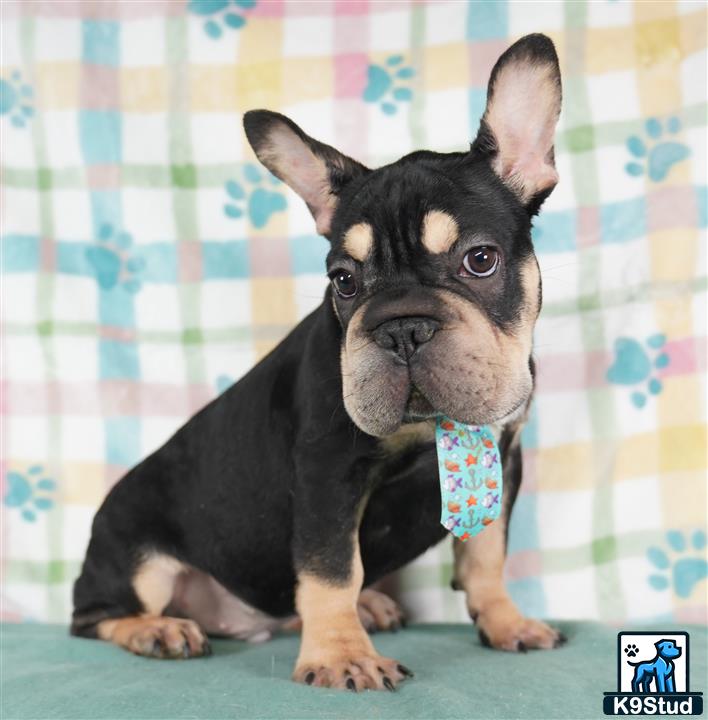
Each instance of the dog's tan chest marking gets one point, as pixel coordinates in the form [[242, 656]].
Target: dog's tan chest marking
[[407, 436]]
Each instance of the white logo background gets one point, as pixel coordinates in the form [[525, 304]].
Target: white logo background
[[646, 653]]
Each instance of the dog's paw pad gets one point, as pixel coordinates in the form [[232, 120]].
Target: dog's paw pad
[[356, 673]]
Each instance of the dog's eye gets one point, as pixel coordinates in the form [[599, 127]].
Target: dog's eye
[[344, 283], [480, 262]]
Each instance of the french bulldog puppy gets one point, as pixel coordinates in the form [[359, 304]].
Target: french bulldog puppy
[[316, 474]]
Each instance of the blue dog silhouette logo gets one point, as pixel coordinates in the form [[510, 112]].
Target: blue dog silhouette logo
[[657, 672], [653, 676]]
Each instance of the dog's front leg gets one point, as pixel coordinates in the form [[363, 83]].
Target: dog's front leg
[[479, 571], [335, 650]]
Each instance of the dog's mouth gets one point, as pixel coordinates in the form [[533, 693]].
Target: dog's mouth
[[418, 407]]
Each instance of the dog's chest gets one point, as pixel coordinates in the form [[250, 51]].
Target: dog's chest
[[407, 438]]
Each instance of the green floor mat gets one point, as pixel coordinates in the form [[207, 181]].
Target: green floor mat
[[47, 674]]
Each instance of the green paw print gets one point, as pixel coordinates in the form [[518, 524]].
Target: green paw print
[[30, 492], [633, 365], [112, 262], [683, 568], [223, 12], [16, 99], [658, 156], [258, 201], [386, 84]]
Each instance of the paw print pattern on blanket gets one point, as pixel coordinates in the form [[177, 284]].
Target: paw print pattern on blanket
[[634, 366], [257, 199], [657, 156], [16, 99], [686, 569], [222, 12], [223, 383], [385, 84], [30, 492], [112, 261]]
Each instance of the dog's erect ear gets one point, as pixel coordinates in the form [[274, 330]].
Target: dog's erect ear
[[518, 125], [315, 171]]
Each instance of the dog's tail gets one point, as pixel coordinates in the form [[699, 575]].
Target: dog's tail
[[640, 662]]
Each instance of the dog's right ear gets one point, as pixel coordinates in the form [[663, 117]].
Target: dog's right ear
[[315, 171]]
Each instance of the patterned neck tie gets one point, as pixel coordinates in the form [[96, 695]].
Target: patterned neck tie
[[470, 477]]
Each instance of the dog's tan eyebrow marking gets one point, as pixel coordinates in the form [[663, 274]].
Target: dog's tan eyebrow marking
[[359, 240], [440, 231]]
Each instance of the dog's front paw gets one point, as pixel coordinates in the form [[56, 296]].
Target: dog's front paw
[[504, 628], [352, 672], [379, 612]]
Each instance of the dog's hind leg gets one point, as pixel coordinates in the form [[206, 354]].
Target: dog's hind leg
[[151, 633], [126, 608], [377, 611]]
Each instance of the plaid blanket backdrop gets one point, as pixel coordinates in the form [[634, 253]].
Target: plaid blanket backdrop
[[148, 262]]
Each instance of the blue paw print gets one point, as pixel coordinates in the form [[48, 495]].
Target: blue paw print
[[112, 262], [223, 383], [259, 202], [16, 99], [633, 365], [684, 572], [30, 492], [224, 12], [384, 84], [658, 157]]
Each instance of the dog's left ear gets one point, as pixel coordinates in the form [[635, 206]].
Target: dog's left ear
[[518, 126], [315, 171]]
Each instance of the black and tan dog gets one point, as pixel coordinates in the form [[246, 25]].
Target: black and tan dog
[[316, 474]]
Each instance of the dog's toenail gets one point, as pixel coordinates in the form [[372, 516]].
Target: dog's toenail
[[484, 639], [206, 648], [351, 685], [405, 671], [388, 684], [521, 647], [310, 678], [560, 640]]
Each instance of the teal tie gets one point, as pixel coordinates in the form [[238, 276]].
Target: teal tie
[[470, 477]]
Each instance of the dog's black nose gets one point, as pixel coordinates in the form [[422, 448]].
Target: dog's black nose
[[404, 335]]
